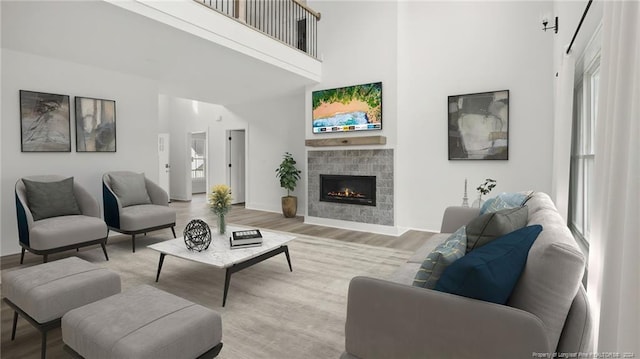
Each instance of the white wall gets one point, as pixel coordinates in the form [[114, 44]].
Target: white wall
[[426, 51], [272, 127], [186, 116], [136, 127], [357, 42], [2, 195], [451, 48], [357, 45], [196, 19], [276, 126], [569, 14]]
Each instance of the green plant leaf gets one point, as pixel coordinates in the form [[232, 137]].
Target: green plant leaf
[[287, 173]]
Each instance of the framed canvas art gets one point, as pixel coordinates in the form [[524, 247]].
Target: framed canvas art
[[95, 125], [44, 122], [478, 126]]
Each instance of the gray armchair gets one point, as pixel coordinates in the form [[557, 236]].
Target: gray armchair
[[48, 228], [133, 204]]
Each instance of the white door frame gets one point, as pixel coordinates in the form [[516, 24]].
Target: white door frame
[[206, 158], [246, 159], [187, 175], [164, 166]]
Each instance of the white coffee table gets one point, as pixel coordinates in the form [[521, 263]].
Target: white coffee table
[[220, 255]]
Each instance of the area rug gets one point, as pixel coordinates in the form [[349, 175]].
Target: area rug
[[270, 312]]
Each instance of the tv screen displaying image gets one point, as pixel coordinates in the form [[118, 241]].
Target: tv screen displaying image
[[344, 109]]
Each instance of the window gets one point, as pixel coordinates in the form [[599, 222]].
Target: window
[[197, 158], [582, 148]]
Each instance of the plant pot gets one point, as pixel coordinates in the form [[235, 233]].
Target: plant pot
[[289, 206]]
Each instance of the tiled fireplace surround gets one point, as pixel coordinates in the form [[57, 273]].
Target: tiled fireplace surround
[[378, 162]]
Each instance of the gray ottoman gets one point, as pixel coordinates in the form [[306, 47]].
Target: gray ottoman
[[42, 294], [142, 322]]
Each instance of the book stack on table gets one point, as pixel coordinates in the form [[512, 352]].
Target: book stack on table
[[244, 239]]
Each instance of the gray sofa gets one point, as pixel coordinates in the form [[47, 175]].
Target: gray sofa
[[546, 313]]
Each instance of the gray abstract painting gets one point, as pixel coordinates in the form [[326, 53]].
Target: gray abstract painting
[[95, 125], [479, 126], [44, 122]]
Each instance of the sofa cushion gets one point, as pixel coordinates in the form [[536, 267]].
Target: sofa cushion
[[491, 272], [62, 231], [48, 291], [142, 322], [490, 226], [130, 188], [437, 261], [144, 216], [51, 199], [554, 268]]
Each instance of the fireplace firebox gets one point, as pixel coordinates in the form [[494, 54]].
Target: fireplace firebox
[[348, 189]]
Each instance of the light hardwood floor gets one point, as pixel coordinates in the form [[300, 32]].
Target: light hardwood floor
[[26, 344], [198, 208]]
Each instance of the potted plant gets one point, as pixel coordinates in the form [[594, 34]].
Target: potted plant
[[288, 175], [484, 189], [220, 203]]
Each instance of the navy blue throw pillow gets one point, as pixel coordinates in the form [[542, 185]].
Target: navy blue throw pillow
[[490, 272]]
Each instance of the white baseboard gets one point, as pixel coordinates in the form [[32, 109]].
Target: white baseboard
[[356, 226]]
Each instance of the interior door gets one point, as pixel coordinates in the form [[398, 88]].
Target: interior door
[[198, 163], [237, 165], [163, 161]]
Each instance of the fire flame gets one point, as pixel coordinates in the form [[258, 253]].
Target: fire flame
[[346, 192]]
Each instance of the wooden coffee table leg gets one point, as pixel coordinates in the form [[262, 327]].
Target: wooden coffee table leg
[[162, 255]]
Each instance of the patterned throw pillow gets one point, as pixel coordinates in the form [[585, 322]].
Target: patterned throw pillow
[[486, 204], [513, 199], [528, 195], [442, 256], [505, 200], [495, 205]]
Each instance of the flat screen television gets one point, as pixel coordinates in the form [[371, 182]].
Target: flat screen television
[[345, 109]]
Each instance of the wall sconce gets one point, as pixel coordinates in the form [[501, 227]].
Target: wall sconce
[[545, 22]]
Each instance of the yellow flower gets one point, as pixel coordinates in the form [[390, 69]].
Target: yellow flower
[[220, 198]]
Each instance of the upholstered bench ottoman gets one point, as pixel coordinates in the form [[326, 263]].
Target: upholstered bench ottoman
[[142, 322], [42, 294]]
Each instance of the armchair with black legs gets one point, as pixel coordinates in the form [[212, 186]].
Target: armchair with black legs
[[56, 214], [133, 204]]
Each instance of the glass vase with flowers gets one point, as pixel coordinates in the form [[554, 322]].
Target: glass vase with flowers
[[220, 204]]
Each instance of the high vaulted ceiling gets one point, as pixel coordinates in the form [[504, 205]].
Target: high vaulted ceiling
[[99, 34]]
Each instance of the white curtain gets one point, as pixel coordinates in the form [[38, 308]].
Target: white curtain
[[614, 252], [562, 135]]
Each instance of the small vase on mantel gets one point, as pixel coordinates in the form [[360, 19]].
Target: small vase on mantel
[[222, 225]]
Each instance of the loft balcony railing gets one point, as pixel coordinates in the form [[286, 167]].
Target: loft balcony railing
[[288, 21]]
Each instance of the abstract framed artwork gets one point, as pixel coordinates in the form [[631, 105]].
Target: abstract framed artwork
[[479, 126], [95, 125], [44, 122]]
